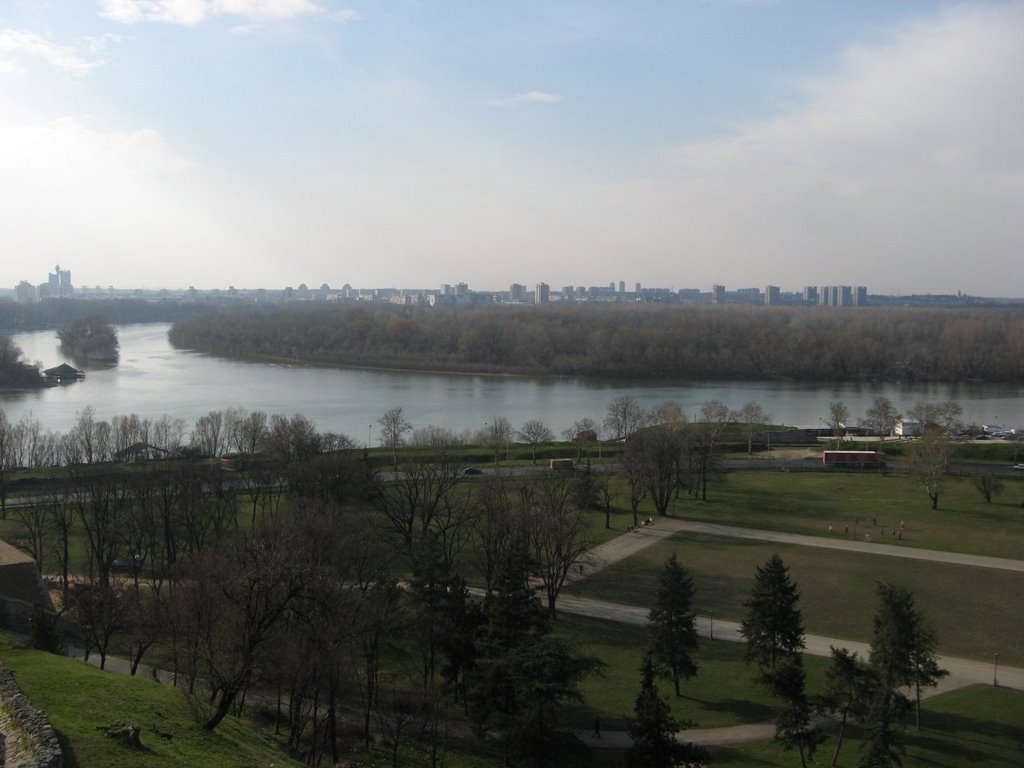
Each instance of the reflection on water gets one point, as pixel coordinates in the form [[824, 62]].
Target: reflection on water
[[153, 378]]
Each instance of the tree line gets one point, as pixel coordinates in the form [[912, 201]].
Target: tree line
[[632, 341], [58, 313]]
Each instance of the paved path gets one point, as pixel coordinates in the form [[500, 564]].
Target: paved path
[[962, 672], [628, 544]]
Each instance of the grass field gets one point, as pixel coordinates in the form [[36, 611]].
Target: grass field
[[808, 502], [971, 608], [79, 699]]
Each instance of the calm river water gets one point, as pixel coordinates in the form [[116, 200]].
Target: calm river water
[[152, 378]]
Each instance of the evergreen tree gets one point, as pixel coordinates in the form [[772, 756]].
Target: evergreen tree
[[672, 624], [847, 692], [653, 729], [773, 626], [521, 675], [902, 654]]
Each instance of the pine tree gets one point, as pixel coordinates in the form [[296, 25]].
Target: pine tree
[[653, 729], [902, 654], [774, 630], [521, 675], [773, 626], [672, 624]]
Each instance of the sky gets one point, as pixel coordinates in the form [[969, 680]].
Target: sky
[[411, 143]]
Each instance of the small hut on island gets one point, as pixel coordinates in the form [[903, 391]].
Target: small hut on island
[[63, 373]]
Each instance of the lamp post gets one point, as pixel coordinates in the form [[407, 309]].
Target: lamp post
[[369, 435]]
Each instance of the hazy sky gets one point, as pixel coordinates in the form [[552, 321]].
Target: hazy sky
[[405, 143]]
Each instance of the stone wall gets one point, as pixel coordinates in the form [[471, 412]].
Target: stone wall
[[27, 727]]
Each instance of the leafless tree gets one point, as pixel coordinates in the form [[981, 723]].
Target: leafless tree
[[987, 484], [624, 417], [497, 434], [208, 434], [881, 417], [928, 459], [754, 418], [838, 418], [558, 533], [944, 415], [582, 432], [534, 433], [393, 427]]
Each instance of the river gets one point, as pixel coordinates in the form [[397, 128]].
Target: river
[[153, 378]]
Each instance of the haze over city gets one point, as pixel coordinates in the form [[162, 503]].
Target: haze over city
[[264, 143]]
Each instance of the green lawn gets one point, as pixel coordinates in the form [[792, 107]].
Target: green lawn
[[971, 608], [808, 502], [80, 699], [721, 694], [976, 727]]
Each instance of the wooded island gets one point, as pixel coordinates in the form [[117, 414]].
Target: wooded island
[[632, 341]]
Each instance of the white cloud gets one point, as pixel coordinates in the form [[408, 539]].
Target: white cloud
[[535, 97], [16, 45], [192, 12], [904, 164]]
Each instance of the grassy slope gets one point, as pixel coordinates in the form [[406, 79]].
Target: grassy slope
[[80, 699]]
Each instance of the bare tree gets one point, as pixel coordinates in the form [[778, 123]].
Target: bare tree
[[752, 415], [558, 534], [496, 435], [838, 418], [624, 417], [534, 433], [208, 434], [929, 461], [581, 432], [944, 415], [653, 457], [237, 596], [169, 434], [251, 433], [987, 484], [881, 417], [393, 426]]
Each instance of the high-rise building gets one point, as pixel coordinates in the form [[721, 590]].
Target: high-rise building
[[517, 293], [860, 296], [717, 294], [771, 295], [541, 293], [810, 294]]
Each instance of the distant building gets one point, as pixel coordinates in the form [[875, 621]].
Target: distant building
[[517, 293], [771, 295], [542, 293], [811, 294], [860, 296], [59, 284], [717, 294], [26, 293]]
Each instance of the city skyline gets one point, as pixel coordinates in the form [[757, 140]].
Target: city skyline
[[161, 144]]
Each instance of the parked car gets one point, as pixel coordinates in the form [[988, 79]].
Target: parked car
[[1019, 467]]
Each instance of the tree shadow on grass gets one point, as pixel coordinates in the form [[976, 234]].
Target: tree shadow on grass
[[969, 737], [746, 711], [736, 757]]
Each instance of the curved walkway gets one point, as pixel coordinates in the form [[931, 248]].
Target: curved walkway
[[962, 672]]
